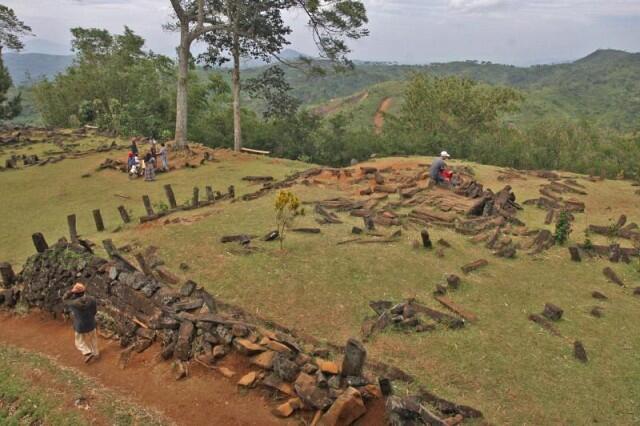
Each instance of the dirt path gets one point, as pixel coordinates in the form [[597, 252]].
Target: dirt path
[[378, 119], [204, 398], [337, 105]]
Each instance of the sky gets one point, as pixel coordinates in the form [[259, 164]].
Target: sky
[[518, 32]]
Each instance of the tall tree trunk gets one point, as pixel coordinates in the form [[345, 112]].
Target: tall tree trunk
[[237, 125], [182, 88]]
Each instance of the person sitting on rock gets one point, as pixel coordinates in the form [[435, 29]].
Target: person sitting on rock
[[437, 167], [83, 309]]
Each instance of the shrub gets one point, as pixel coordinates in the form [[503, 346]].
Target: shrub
[[287, 207], [563, 228]]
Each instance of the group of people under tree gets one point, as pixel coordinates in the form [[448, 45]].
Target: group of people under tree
[[147, 166]]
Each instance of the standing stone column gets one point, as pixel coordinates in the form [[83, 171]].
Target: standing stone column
[[7, 275], [39, 242], [210, 195], [124, 214], [195, 202], [354, 357], [575, 254], [97, 218], [426, 239], [368, 223], [109, 247], [170, 196], [73, 231], [147, 205]]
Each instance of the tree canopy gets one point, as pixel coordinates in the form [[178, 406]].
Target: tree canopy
[[251, 29], [11, 31]]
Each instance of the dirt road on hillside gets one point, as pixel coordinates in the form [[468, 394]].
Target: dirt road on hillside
[[378, 119], [205, 398]]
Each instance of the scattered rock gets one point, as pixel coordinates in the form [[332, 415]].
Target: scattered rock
[[274, 382], [579, 351], [311, 393], [453, 281], [226, 372], [277, 347], [612, 276], [188, 288], [385, 386], [409, 411], [248, 380], [598, 295], [552, 312], [474, 265], [264, 360], [183, 346], [287, 409], [239, 330], [328, 367], [247, 348], [286, 369], [597, 312], [345, 411]]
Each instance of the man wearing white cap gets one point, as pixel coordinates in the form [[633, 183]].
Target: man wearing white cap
[[438, 166], [84, 309]]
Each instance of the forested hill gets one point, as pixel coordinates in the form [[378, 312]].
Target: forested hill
[[603, 87], [26, 67]]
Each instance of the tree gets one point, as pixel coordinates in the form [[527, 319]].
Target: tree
[[193, 21], [113, 84], [252, 29], [11, 29], [451, 111]]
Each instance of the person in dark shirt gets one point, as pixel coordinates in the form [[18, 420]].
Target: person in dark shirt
[[438, 166], [83, 309], [134, 147]]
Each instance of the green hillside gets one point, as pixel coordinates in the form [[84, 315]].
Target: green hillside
[[509, 367], [603, 88]]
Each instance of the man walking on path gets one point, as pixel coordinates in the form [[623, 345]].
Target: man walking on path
[[84, 309], [438, 166]]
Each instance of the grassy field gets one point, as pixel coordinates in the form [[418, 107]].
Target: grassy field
[[35, 390], [504, 364]]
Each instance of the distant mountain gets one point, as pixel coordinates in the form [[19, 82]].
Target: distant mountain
[[28, 67]]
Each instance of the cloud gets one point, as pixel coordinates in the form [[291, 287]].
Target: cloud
[[414, 31], [478, 6]]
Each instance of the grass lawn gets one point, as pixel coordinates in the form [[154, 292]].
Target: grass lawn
[[507, 366], [36, 390]]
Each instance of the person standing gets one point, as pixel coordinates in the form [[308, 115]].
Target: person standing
[[154, 151], [83, 309], [164, 157], [438, 166], [149, 167], [134, 147]]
